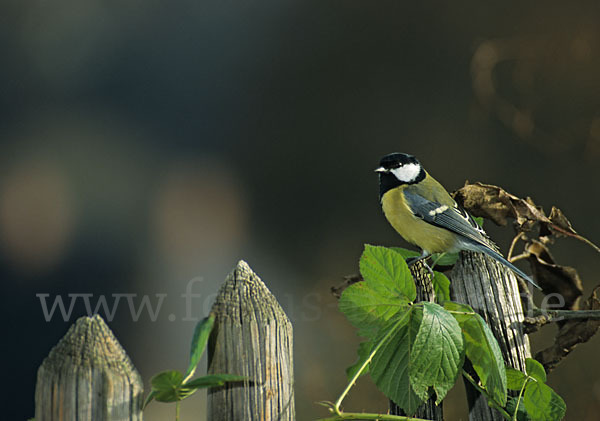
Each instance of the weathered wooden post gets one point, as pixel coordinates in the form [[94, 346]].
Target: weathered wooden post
[[492, 291], [252, 337], [88, 376]]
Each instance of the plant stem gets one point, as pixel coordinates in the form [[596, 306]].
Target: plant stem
[[437, 260], [370, 416], [491, 401], [559, 315], [177, 410], [514, 417], [512, 246], [465, 313], [338, 402]]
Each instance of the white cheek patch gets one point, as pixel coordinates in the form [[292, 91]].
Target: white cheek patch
[[407, 173]]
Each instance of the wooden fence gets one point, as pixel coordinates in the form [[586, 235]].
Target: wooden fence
[[88, 375]]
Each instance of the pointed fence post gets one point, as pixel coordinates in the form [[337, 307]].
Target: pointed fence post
[[88, 376], [252, 337], [492, 291]]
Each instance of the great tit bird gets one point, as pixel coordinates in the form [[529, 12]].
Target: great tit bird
[[422, 211]]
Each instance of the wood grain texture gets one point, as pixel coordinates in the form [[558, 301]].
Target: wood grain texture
[[492, 291], [252, 337], [429, 410], [88, 376]]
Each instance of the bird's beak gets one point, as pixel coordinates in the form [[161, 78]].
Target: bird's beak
[[380, 170]]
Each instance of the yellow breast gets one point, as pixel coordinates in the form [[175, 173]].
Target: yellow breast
[[414, 230]]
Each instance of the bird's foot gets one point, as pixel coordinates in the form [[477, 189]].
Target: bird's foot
[[412, 260], [424, 255], [428, 269]]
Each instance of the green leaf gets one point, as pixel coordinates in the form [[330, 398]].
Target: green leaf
[[441, 287], [479, 220], [364, 350], [368, 307], [369, 304], [511, 406], [213, 380], [515, 379], [542, 403], [444, 259], [438, 353], [201, 334], [405, 253], [387, 268], [167, 386], [390, 366], [482, 349], [535, 369]]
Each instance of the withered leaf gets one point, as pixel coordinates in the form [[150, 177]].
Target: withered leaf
[[553, 278], [560, 220], [571, 334], [493, 202]]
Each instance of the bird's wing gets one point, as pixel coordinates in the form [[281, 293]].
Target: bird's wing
[[452, 218], [458, 220]]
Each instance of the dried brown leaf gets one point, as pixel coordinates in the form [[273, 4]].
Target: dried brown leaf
[[553, 278], [493, 202], [571, 334], [560, 220]]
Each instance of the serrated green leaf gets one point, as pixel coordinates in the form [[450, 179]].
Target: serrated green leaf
[[213, 380], [387, 268], [167, 386], [390, 366], [482, 349], [515, 379], [535, 369], [364, 350], [438, 353], [511, 407], [542, 403], [369, 304], [199, 340], [405, 253], [441, 287], [444, 259]]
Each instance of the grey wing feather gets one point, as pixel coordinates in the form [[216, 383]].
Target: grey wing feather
[[452, 218], [457, 220]]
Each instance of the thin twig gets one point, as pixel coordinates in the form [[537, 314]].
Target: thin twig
[[542, 317], [512, 245], [519, 257]]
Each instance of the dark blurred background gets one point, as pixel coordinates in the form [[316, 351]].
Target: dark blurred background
[[147, 146]]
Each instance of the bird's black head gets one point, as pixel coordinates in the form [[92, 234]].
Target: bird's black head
[[397, 169]]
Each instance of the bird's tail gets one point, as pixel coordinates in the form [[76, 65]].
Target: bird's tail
[[497, 256]]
